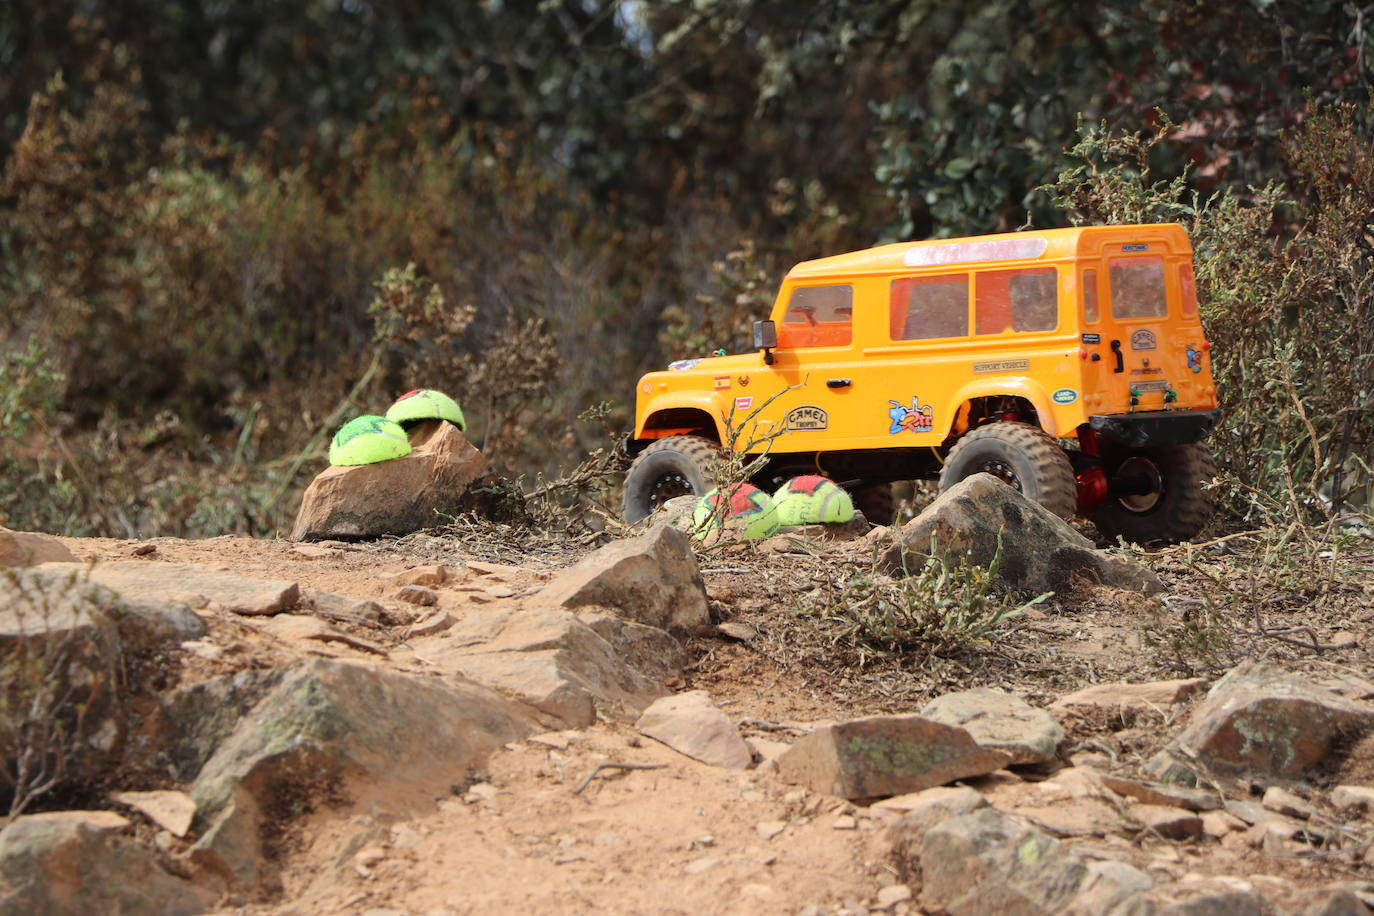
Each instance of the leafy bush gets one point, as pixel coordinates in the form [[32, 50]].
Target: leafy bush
[[1285, 295]]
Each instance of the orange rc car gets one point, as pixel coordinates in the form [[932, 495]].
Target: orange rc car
[[1071, 363]]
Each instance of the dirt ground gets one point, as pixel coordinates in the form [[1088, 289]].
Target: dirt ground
[[682, 837]]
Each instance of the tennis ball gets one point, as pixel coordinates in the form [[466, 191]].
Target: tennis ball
[[426, 404], [750, 511], [812, 500], [367, 440]]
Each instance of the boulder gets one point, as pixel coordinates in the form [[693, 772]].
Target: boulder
[[556, 663], [922, 811], [1166, 794], [885, 755], [983, 862], [194, 720], [328, 721], [1001, 721], [29, 548], [438, 478], [691, 724], [652, 579], [80, 862], [74, 653], [1222, 896], [979, 516], [197, 587], [1260, 721]]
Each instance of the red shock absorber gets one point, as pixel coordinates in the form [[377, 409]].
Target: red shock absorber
[[1092, 478]]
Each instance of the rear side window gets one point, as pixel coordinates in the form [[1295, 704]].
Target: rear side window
[[1090, 312], [924, 308], [1188, 289], [818, 316], [1138, 288], [1016, 300]]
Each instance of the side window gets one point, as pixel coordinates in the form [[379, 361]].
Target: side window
[[1016, 300], [817, 316], [1187, 288], [1090, 311], [923, 308], [1138, 288]]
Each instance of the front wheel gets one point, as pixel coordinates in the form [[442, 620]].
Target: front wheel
[[1157, 493], [1022, 456], [876, 502], [671, 466]]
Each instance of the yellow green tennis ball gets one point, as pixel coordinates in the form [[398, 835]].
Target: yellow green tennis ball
[[367, 440], [749, 510], [812, 500], [426, 404]]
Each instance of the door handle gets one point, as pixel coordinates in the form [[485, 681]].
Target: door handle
[[838, 382], [1120, 357]]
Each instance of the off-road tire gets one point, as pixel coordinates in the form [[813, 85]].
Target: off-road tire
[[671, 466], [1182, 508], [1024, 456], [876, 502]]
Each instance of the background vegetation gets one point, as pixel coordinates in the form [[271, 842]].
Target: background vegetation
[[223, 225]]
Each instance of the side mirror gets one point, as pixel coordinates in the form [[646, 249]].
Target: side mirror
[[765, 339]]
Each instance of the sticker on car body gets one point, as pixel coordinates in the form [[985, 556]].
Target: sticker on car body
[[1144, 339], [1064, 396], [913, 419], [1000, 365], [807, 418]]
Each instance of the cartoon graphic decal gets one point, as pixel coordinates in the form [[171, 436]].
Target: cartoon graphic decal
[[743, 381], [913, 419], [1194, 359]]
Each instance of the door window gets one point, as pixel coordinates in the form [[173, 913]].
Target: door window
[[818, 316], [924, 308], [1138, 288], [1188, 288], [1090, 311]]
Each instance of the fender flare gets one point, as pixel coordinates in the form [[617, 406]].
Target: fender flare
[[712, 405], [1015, 386]]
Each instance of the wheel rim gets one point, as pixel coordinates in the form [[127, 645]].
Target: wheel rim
[[1139, 468], [667, 487], [999, 469]]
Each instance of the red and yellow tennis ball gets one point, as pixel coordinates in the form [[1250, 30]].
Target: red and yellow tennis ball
[[812, 500], [367, 440], [742, 507]]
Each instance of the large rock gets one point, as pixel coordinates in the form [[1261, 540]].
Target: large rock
[[652, 578], [194, 586], [974, 519], [985, 863], [885, 755], [557, 663], [74, 653], [29, 548], [691, 724], [399, 496], [1262, 721], [79, 862], [1001, 721], [326, 722], [194, 720]]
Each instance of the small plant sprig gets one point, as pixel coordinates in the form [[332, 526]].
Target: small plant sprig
[[937, 609]]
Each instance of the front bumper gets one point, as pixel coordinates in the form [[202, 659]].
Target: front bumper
[[1156, 427]]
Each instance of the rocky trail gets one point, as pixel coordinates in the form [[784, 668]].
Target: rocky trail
[[454, 722]]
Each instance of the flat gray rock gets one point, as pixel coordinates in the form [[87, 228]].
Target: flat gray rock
[[1001, 721], [195, 586]]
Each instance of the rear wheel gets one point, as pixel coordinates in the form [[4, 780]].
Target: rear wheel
[[876, 502], [1022, 456], [669, 467], [1157, 493]]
